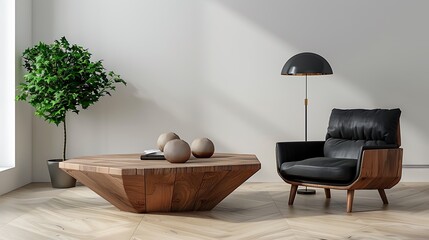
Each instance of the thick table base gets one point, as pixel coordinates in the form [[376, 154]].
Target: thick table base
[[168, 189]]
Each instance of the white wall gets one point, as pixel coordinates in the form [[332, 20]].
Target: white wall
[[22, 172], [212, 68]]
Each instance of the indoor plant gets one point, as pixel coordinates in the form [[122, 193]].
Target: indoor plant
[[62, 78]]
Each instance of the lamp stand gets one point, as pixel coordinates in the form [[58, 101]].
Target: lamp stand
[[306, 191], [306, 106]]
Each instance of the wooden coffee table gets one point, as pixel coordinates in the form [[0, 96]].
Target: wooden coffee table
[[136, 185]]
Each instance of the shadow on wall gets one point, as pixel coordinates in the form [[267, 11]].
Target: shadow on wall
[[254, 123], [130, 114], [126, 122], [129, 121], [379, 48]]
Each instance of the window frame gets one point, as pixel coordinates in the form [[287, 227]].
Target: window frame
[[8, 85]]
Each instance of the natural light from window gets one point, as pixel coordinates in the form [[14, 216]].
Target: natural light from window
[[7, 88]]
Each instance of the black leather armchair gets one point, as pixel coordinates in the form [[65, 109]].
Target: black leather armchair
[[361, 151]]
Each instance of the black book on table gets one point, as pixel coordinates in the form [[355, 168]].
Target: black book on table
[[158, 155]]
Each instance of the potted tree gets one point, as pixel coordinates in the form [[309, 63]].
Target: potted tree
[[62, 78]]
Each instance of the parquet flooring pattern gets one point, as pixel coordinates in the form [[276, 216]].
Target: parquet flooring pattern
[[253, 211]]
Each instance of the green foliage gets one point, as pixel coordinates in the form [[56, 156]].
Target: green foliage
[[61, 78]]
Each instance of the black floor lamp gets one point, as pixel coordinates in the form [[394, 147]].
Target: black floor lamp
[[306, 64]]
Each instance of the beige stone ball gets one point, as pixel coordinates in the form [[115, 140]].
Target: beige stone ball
[[177, 151], [202, 148], [164, 138]]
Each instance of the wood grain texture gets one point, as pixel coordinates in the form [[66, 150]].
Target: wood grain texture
[[380, 169], [223, 188], [208, 183], [253, 211], [134, 185], [124, 192], [185, 191], [159, 191]]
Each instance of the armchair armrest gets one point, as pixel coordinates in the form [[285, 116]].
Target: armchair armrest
[[379, 167], [390, 146], [367, 148], [295, 151]]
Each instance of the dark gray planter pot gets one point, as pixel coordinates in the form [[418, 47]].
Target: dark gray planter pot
[[59, 178]]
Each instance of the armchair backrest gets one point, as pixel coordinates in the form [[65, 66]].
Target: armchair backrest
[[351, 129]]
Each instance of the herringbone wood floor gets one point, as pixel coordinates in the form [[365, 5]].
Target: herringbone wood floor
[[253, 211]]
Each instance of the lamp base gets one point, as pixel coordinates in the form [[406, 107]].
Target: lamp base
[[306, 191]]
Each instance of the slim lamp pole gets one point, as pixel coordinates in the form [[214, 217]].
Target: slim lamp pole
[[306, 104], [306, 190]]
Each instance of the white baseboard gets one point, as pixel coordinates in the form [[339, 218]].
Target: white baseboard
[[415, 174]]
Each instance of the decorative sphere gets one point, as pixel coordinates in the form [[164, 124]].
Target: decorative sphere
[[177, 151], [164, 138], [202, 148]]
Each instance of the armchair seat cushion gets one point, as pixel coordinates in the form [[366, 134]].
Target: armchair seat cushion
[[321, 170]]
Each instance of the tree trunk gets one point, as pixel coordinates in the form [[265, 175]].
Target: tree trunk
[[65, 139]]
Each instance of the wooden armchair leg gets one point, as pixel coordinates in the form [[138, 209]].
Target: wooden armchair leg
[[292, 193], [383, 196], [328, 193], [350, 195]]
